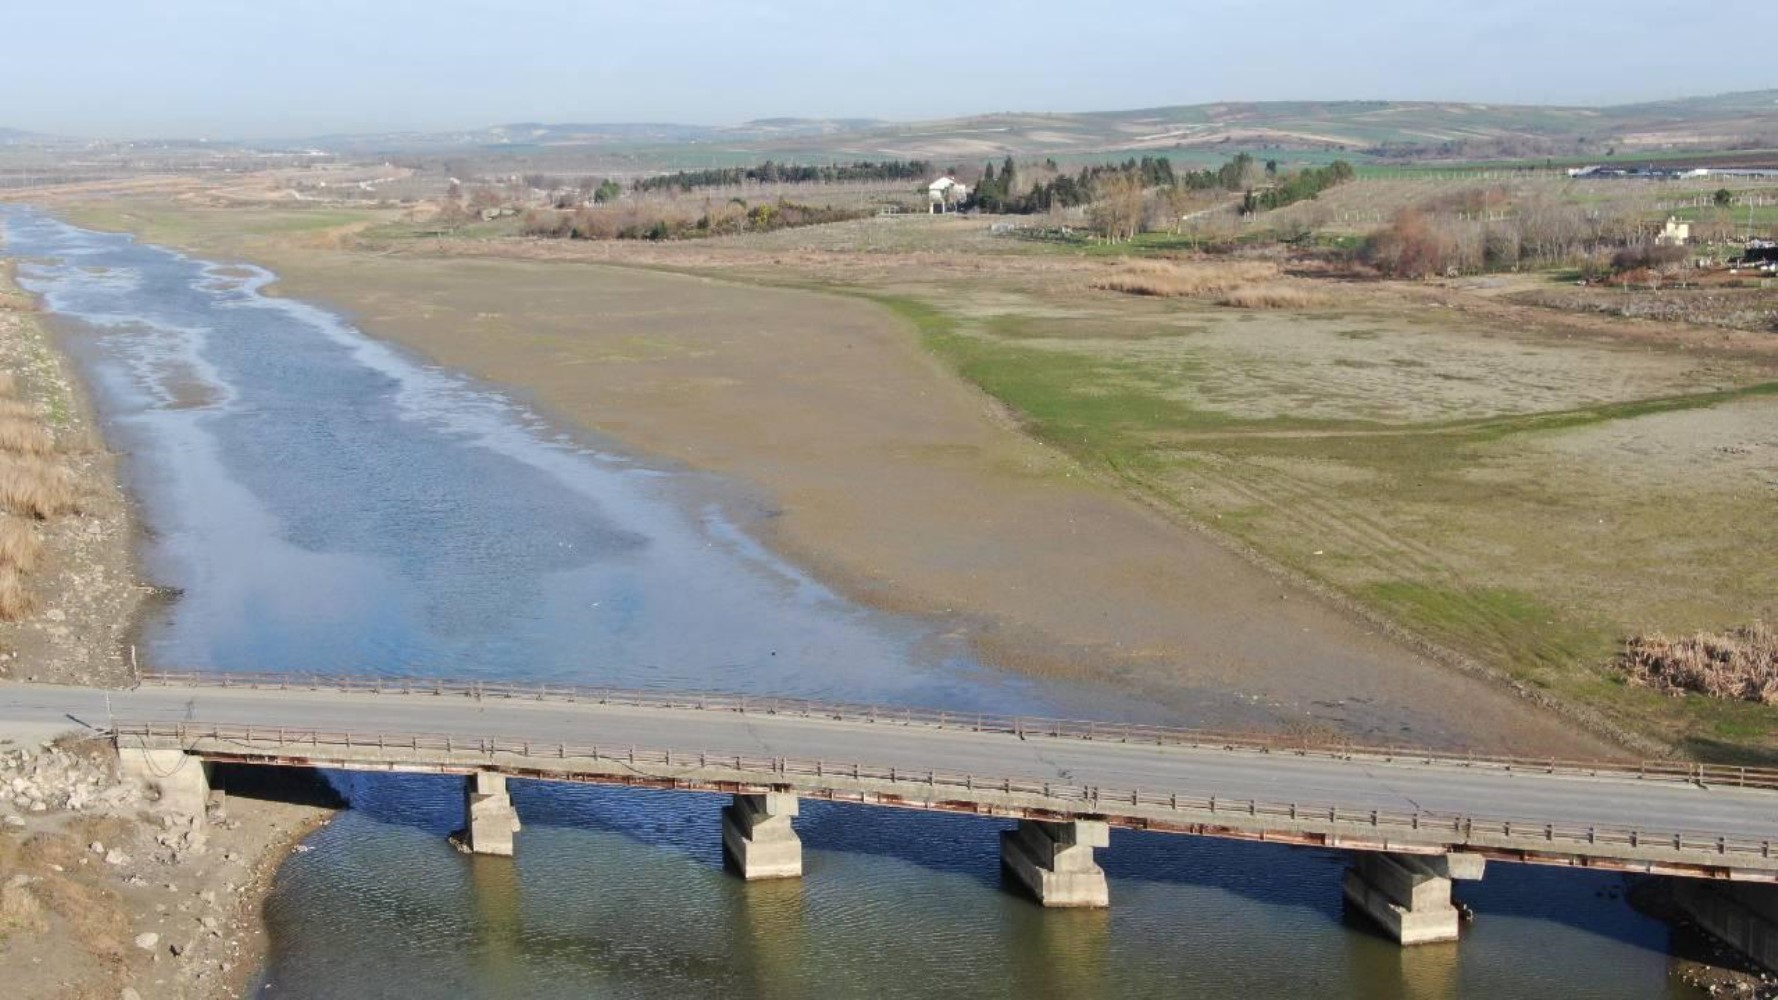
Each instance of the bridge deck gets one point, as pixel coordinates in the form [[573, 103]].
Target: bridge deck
[[1607, 816]]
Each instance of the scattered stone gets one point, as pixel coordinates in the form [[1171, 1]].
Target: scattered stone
[[147, 940], [116, 857]]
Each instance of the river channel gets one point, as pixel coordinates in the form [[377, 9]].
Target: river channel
[[320, 501]]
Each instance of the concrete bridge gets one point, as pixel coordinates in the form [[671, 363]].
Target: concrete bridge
[[1414, 820]]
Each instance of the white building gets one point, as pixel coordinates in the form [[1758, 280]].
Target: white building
[[1675, 233], [945, 194]]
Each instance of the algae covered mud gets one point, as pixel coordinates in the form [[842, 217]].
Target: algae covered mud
[[321, 502]]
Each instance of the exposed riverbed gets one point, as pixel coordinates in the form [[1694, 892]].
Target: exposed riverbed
[[323, 502]]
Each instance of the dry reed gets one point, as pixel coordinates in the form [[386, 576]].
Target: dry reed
[[1740, 664], [25, 438], [9, 384], [34, 488], [15, 601], [1170, 280], [19, 545]]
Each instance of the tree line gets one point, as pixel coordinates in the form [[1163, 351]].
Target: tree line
[[1000, 190], [1300, 186], [788, 173], [643, 221]]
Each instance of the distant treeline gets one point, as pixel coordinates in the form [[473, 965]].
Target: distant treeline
[[996, 191], [1300, 186], [653, 221], [789, 173]]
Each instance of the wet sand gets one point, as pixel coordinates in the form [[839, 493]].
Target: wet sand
[[907, 489]]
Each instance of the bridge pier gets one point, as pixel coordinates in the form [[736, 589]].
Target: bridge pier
[[489, 820], [757, 837], [181, 780], [1409, 895], [1055, 860]]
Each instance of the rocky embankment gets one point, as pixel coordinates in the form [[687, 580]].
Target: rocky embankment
[[102, 896]]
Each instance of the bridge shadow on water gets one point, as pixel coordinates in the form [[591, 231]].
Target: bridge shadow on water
[[1275, 876], [619, 891]]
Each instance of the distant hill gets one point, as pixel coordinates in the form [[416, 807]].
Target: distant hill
[[616, 134], [1406, 130], [1417, 129], [18, 137]]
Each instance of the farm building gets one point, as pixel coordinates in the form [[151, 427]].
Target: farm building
[[945, 194]]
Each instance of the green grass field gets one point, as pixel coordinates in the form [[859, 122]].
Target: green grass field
[[1516, 538]]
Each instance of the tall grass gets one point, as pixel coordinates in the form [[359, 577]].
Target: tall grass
[[25, 438], [1738, 665], [32, 487], [19, 545], [1171, 280]]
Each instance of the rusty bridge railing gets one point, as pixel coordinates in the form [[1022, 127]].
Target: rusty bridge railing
[[1129, 806], [1025, 726]]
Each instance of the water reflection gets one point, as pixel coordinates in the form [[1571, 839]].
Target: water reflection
[[622, 892]]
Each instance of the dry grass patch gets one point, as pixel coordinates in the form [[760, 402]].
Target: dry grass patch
[[19, 545], [16, 601], [1738, 665], [24, 437], [18, 409], [1167, 279], [1272, 296], [34, 488]]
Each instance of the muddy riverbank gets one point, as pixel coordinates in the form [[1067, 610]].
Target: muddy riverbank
[[910, 491]]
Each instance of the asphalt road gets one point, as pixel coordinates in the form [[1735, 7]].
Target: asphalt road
[[30, 711]]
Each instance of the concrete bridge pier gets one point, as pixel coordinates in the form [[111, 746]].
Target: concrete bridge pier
[[489, 820], [180, 780], [1055, 860], [1409, 895], [757, 837]]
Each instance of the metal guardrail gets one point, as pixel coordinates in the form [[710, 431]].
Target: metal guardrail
[[1023, 726], [1525, 835]]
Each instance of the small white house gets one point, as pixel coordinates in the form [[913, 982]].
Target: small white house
[[1675, 233], [945, 194]]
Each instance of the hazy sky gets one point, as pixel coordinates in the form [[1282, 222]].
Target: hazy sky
[[294, 67]]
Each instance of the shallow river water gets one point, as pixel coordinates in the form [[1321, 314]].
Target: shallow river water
[[323, 502]]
